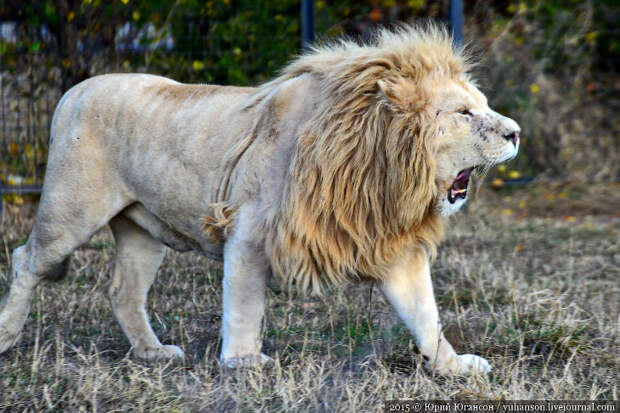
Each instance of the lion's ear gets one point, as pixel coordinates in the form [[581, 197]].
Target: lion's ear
[[401, 93], [389, 90]]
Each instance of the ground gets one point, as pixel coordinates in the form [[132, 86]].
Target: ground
[[527, 278]]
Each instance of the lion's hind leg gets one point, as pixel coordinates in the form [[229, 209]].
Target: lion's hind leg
[[62, 225], [138, 256], [15, 305]]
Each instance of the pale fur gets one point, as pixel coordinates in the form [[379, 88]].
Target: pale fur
[[337, 169], [363, 173]]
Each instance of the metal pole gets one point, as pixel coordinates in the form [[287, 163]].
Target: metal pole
[[307, 23], [456, 21]]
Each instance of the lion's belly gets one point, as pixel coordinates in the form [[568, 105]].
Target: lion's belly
[[170, 236], [174, 201]]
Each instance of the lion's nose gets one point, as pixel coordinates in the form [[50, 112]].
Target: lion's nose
[[512, 137]]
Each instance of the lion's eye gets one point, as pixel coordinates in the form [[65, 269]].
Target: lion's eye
[[465, 112]]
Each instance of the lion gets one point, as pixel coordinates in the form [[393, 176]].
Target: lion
[[342, 168]]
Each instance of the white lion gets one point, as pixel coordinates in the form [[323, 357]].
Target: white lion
[[341, 168]]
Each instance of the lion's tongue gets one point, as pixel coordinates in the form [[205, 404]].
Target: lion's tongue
[[462, 179], [459, 187]]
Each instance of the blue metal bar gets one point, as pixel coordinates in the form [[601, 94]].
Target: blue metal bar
[[19, 190], [456, 21], [307, 23]]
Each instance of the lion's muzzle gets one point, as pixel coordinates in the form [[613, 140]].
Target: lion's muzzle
[[512, 137]]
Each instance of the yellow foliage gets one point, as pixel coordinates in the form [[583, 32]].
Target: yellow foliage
[[198, 65], [29, 151], [416, 4], [534, 88], [13, 180], [591, 37], [13, 199]]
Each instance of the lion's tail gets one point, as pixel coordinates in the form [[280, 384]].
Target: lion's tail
[[216, 226]]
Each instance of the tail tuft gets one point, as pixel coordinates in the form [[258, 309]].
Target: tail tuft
[[217, 226]]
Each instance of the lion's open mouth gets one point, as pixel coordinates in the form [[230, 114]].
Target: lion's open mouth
[[459, 186]]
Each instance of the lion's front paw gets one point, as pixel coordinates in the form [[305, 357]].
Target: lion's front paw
[[464, 365], [471, 364], [251, 360], [159, 353]]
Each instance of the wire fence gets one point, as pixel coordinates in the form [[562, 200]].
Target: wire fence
[[35, 70], [30, 86]]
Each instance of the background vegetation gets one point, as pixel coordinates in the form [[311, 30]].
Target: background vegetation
[[551, 65], [527, 278]]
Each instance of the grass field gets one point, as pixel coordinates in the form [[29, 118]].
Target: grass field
[[529, 280]]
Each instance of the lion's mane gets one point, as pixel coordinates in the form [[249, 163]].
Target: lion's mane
[[362, 178]]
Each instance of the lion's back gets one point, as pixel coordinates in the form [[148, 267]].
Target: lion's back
[[141, 117], [135, 100]]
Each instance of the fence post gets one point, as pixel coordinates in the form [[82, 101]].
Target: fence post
[[456, 21], [307, 23]]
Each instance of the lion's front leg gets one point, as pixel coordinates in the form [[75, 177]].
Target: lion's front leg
[[246, 273], [409, 289]]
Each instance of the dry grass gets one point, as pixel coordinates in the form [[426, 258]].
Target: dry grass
[[537, 296]]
